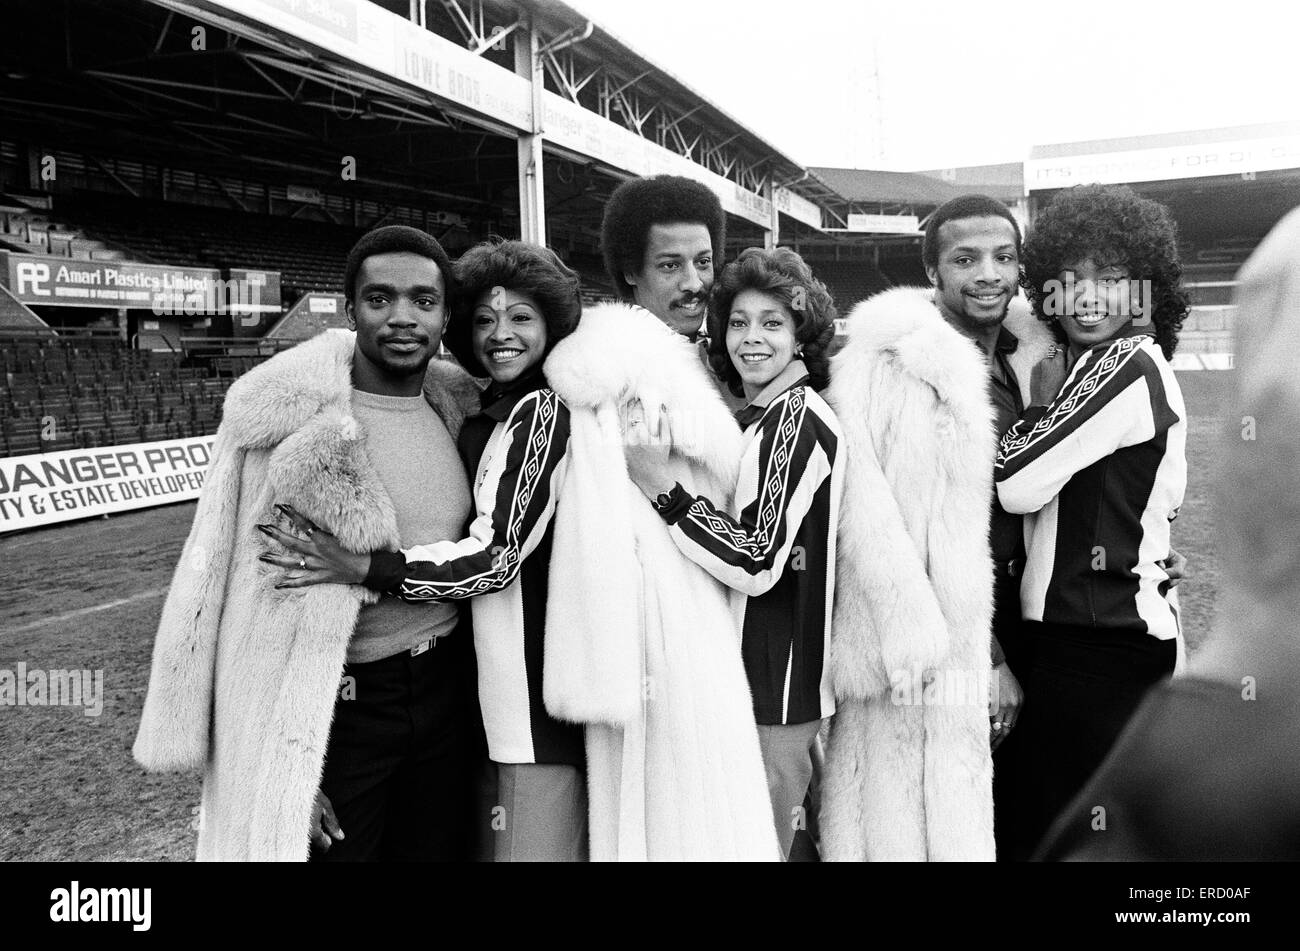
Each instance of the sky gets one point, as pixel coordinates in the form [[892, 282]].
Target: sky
[[921, 84]]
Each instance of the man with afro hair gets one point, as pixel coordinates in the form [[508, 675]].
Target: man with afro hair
[[663, 239]]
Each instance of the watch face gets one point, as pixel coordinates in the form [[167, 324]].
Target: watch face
[[664, 499]]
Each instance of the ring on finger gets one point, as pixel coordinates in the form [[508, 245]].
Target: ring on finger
[[302, 562]]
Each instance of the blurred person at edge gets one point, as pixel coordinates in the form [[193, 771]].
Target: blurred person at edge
[[514, 302], [1207, 768], [324, 721], [1097, 465], [569, 604], [771, 322]]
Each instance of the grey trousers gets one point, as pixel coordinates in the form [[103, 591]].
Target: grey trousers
[[541, 813], [788, 755]]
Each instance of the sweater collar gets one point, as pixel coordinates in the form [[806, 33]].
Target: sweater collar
[[278, 397]]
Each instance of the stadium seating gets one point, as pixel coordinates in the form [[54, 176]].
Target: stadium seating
[[850, 281], [87, 388], [310, 255], [68, 392]]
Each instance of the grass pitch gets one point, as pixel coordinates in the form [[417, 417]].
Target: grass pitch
[[88, 595]]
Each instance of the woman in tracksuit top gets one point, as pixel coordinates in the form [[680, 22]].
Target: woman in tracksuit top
[[769, 327], [513, 302], [1097, 466]]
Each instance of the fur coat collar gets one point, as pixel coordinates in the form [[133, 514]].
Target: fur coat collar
[[641, 644], [244, 677], [908, 772], [1033, 335], [279, 397]]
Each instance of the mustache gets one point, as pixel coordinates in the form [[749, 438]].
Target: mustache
[[688, 299]]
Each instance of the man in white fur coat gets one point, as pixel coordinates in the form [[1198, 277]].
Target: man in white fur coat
[[641, 643], [245, 677], [908, 771], [643, 647]]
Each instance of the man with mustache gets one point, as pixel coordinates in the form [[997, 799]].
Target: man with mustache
[[328, 710], [663, 240]]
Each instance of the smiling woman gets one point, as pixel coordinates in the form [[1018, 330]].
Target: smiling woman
[[1099, 469], [768, 310], [1094, 242], [774, 546], [509, 333], [512, 303]]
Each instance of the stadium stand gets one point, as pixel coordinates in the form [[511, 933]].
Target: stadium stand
[[309, 255], [88, 389], [84, 386], [15, 315], [850, 281], [177, 182]]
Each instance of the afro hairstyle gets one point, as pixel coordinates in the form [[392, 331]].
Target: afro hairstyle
[[783, 274], [517, 266], [663, 199], [1114, 223]]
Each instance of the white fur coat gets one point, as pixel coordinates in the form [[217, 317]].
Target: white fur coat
[[641, 644], [245, 677], [908, 772], [1035, 337]]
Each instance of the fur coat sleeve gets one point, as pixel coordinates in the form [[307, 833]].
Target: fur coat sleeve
[[176, 722]]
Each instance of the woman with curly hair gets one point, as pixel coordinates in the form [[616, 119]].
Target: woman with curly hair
[[770, 325], [513, 302], [1097, 466]]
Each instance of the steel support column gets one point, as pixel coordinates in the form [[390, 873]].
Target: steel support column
[[532, 204], [772, 236]]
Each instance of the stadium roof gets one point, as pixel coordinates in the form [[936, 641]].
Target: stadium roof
[[1137, 143], [611, 48], [120, 83], [862, 185], [1005, 181]]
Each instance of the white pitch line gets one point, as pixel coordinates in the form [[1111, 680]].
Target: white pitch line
[[69, 615]]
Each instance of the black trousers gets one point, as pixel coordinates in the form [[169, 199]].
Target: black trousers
[[400, 769], [1083, 685], [1010, 631]]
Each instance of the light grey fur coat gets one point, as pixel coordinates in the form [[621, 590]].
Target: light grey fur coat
[[245, 677], [908, 772]]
